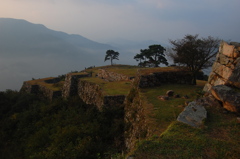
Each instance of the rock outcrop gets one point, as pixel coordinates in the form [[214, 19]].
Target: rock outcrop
[[225, 76], [226, 68], [230, 99]]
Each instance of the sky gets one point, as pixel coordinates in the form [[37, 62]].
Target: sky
[[135, 20]]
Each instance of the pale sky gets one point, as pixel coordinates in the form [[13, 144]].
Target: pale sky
[[137, 20]]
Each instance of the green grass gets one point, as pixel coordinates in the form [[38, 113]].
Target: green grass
[[79, 73], [218, 139], [117, 88], [52, 86], [111, 88], [124, 69], [167, 111], [146, 71]]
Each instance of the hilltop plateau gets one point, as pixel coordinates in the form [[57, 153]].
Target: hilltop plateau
[[123, 111], [151, 129], [206, 126]]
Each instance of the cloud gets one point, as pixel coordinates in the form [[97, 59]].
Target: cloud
[[130, 19]]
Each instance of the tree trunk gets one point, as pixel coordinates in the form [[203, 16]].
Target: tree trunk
[[194, 79]]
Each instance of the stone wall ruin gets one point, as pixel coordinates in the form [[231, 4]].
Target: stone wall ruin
[[226, 68]]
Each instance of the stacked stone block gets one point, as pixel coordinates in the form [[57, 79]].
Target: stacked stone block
[[226, 69]]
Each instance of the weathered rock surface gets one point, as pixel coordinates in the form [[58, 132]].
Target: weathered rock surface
[[209, 101], [226, 68], [229, 98], [193, 115]]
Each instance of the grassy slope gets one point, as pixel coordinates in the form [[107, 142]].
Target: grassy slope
[[220, 138], [54, 87], [167, 111], [111, 88]]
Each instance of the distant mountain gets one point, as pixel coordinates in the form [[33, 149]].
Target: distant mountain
[[30, 50], [20, 35]]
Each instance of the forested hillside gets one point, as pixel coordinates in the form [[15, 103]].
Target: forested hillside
[[34, 128]]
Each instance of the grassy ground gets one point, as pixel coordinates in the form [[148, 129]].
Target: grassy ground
[[146, 71], [220, 138], [54, 87], [131, 70], [167, 111], [111, 88]]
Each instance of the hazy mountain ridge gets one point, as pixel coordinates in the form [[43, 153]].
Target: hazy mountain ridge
[[20, 34], [30, 50]]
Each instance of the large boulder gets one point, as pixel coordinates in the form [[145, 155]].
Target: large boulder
[[234, 79], [229, 98], [209, 101], [193, 115]]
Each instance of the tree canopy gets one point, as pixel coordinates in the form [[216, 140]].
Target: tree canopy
[[194, 53], [111, 55], [31, 127], [152, 57]]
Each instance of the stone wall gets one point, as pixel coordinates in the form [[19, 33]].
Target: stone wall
[[91, 93], [112, 76], [53, 80], [113, 101], [226, 69], [136, 117], [29, 88], [49, 93], [156, 79], [70, 87], [40, 91], [221, 88]]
